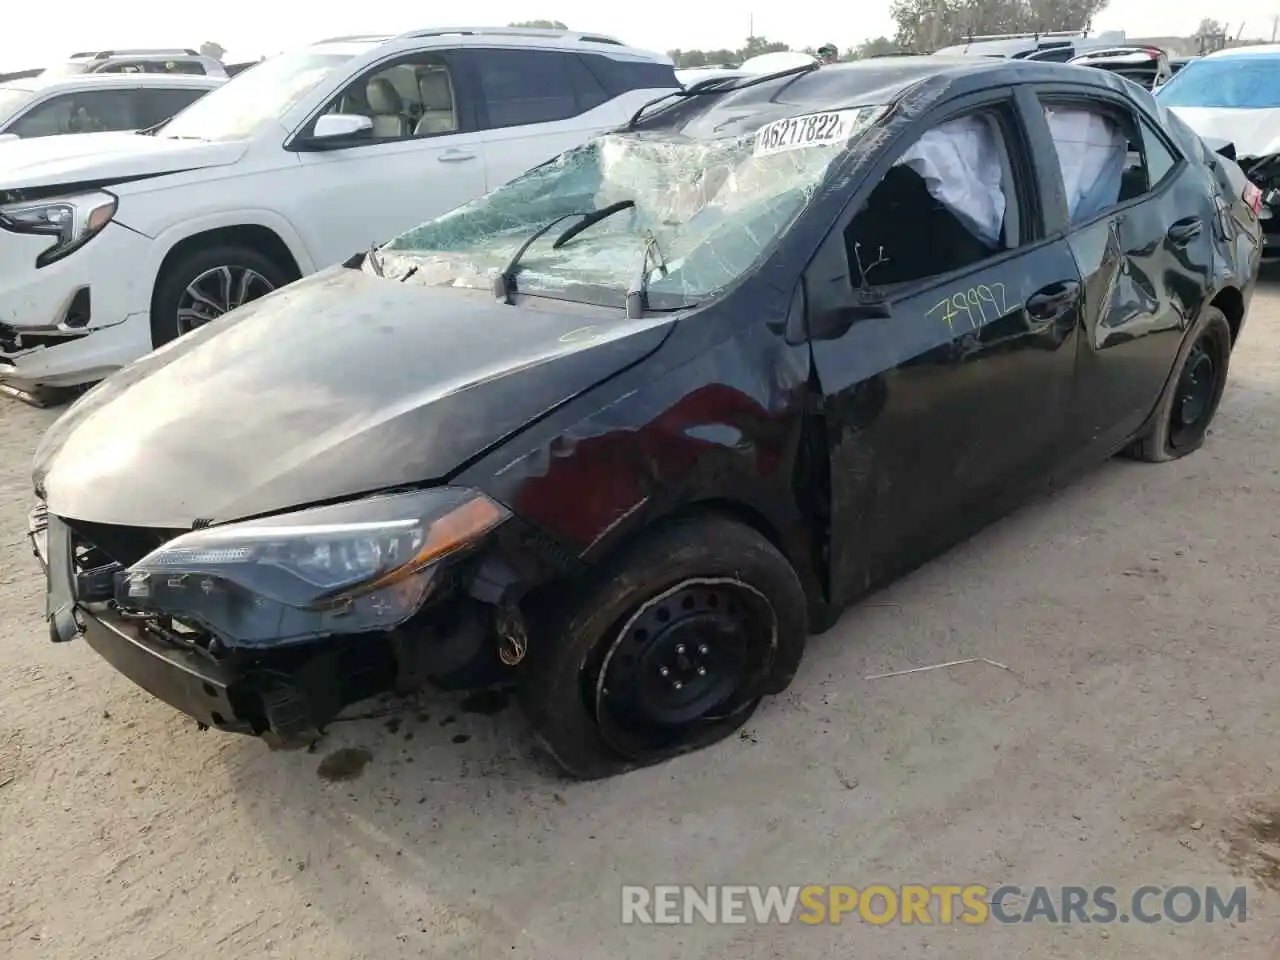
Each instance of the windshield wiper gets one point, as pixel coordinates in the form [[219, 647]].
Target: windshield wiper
[[502, 282], [375, 259], [637, 295], [590, 220]]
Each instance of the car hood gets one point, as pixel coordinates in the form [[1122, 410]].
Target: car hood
[[337, 385], [90, 158], [1255, 133]]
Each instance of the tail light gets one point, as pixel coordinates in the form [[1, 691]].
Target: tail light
[[1253, 197]]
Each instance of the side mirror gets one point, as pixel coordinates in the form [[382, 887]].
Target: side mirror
[[834, 322], [333, 131], [1227, 150]]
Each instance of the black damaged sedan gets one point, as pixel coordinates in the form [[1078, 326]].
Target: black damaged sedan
[[629, 428]]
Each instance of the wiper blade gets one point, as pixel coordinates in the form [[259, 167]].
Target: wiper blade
[[637, 295], [502, 282], [590, 220], [375, 259], [720, 85]]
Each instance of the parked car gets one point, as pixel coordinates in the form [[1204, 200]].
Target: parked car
[[1053, 46], [631, 426], [286, 168], [139, 60], [1233, 97], [96, 102], [1177, 63], [1145, 65]]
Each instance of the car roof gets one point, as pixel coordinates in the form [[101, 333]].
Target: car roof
[[576, 40], [1257, 50], [749, 102], [90, 81]]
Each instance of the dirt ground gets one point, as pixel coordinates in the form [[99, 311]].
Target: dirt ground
[[1131, 741]]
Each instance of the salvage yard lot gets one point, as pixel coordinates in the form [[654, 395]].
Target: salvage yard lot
[[1137, 611]]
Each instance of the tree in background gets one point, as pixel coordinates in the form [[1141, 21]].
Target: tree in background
[[926, 25], [215, 50], [540, 25], [755, 46]]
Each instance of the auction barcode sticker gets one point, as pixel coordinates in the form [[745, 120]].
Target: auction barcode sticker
[[811, 130]]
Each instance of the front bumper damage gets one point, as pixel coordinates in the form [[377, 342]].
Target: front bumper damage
[[285, 697]]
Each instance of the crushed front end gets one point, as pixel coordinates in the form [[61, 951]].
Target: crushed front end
[[271, 627]]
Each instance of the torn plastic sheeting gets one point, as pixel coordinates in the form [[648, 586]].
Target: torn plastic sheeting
[[1092, 151], [960, 163]]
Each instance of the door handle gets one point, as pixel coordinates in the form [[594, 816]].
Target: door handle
[[1049, 303], [454, 156], [1185, 230]]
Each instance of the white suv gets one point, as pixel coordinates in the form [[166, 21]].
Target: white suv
[[95, 102], [112, 244]]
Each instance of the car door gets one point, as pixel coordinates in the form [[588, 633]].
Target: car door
[[535, 104], [426, 156], [943, 335], [1142, 226]]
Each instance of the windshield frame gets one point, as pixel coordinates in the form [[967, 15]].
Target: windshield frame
[[232, 97], [1195, 68]]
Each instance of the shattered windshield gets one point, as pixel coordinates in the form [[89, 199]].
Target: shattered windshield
[[711, 208]]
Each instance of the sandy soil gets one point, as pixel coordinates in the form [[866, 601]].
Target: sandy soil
[[1132, 741]]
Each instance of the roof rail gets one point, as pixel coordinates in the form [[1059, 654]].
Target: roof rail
[[1030, 35], [512, 32], [356, 37], [138, 51]]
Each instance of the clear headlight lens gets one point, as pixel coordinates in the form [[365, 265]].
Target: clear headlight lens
[[352, 567], [72, 221]]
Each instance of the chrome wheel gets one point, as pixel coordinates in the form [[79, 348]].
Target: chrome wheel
[[218, 291]]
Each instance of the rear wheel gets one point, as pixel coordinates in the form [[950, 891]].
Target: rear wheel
[[669, 648], [204, 284], [1191, 397]]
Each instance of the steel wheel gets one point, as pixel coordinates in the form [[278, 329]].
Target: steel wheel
[[216, 291], [1195, 393], [691, 656]]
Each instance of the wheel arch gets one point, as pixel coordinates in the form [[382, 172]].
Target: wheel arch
[[261, 230], [1230, 300]]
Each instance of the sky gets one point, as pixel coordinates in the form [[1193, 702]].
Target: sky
[[251, 28]]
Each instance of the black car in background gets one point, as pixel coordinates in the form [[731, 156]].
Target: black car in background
[[628, 429]]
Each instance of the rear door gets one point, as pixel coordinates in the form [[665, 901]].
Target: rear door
[[534, 104], [950, 383], [1142, 233]]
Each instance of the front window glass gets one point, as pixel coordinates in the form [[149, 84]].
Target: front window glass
[[707, 210], [1251, 82], [243, 104]]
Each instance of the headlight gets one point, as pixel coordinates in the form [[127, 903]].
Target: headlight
[[72, 221], [353, 567]]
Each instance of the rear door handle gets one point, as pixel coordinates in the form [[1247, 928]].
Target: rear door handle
[[1050, 303], [454, 156], [1185, 230]]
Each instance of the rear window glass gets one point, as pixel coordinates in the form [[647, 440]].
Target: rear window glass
[[1232, 82]]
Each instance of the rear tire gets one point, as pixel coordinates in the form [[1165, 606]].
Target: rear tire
[[200, 286], [667, 648], [1190, 399]]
